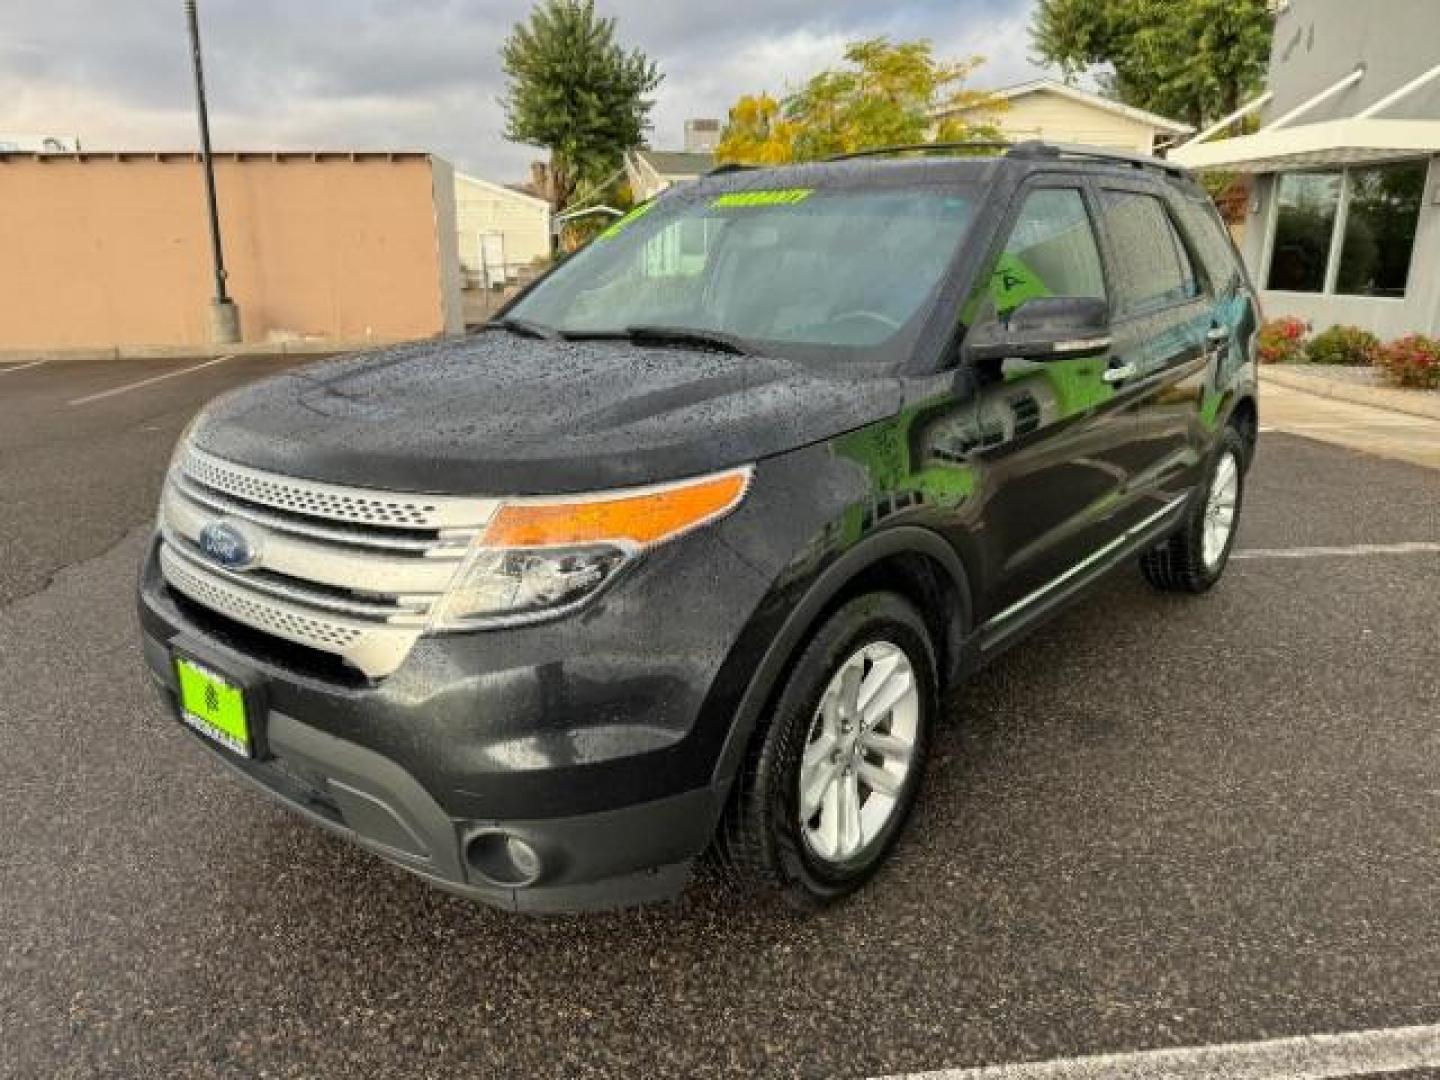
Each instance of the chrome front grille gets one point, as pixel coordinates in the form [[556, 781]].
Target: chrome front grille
[[341, 534], [329, 502], [349, 571], [283, 620]]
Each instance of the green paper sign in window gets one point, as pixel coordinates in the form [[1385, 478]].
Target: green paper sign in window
[[1013, 282]]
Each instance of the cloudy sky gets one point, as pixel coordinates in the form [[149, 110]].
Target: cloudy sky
[[422, 74]]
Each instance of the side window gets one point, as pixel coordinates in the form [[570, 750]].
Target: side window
[[1208, 234], [1152, 267], [1189, 279], [1051, 252]]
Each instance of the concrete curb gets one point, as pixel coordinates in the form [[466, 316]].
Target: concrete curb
[[1421, 403], [193, 352]]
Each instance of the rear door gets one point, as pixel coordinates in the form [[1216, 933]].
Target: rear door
[[1159, 333], [1053, 440], [1234, 318]]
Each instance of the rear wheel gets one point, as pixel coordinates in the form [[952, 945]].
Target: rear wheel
[[1194, 558], [832, 773]]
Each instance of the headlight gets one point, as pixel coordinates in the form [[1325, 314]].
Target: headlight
[[539, 557]]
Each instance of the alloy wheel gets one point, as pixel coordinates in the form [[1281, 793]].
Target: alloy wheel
[[858, 752], [1220, 506]]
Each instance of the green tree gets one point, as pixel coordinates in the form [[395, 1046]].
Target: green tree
[[575, 92], [889, 93], [1195, 60]]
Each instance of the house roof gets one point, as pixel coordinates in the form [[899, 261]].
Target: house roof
[[1050, 86], [503, 190], [1330, 142], [677, 162]]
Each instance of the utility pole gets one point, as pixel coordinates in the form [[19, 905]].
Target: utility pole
[[224, 315]]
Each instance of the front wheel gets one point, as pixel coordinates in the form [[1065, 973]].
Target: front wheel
[[1193, 559], [833, 771]]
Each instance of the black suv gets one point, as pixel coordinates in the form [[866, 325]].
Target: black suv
[[678, 554]]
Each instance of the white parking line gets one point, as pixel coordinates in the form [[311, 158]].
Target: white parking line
[[148, 382], [1413, 547], [22, 367], [1311, 1057]]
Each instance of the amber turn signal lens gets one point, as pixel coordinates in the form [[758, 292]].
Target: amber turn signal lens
[[642, 518]]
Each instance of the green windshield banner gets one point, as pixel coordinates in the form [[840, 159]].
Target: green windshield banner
[[621, 223], [779, 197]]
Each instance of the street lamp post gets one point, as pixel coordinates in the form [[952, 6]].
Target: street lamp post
[[224, 315]]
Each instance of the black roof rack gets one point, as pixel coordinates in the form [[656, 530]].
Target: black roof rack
[[729, 167], [1036, 148], [1030, 150], [924, 148]]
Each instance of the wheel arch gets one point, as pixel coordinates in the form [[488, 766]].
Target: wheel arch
[[914, 561], [1245, 416]]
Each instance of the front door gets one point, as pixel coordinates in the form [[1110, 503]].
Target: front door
[[492, 260], [1052, 456]]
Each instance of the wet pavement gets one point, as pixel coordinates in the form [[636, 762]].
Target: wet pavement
[[1159, 821]]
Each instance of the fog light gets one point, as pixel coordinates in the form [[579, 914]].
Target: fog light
[[504, 859], [523, 857]]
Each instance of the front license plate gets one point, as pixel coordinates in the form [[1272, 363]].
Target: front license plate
[[213, 706]]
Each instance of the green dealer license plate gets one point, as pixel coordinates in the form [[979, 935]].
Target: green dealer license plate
[[213, 706]]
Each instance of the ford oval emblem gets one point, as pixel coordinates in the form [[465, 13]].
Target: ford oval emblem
[[229, 545]]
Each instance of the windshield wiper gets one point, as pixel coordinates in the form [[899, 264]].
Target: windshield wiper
[[684, 335], [523, 327], [666, 335]]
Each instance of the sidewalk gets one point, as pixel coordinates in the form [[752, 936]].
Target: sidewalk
[[1358, 385], [1318, 415]]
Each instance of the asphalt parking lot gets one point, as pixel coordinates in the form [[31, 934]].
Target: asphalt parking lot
[[1159, 822]]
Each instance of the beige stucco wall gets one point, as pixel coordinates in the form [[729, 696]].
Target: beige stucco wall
[[1056, 118], [114, 249], [482, 207]]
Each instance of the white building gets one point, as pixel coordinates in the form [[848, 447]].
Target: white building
[[1344, 222], [1049, 110], [702, 135], [649, 172], [502, 232]]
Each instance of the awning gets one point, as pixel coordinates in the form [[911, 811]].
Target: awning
[[1331, 142]]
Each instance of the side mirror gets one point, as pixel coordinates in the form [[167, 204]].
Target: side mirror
[[1044, 328]]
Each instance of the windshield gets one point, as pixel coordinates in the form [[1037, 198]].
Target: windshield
[[781, 270]]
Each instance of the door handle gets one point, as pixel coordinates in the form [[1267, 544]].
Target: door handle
[[1118, 373], [1218, 335]]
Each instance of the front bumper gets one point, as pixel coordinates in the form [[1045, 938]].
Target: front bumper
[[450, 749]]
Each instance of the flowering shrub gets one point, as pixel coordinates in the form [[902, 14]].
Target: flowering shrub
[[1281, 341], [1412, 361], [1343, 345]]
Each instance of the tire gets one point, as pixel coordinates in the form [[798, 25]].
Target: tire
[[763, 838], [1184, 562]]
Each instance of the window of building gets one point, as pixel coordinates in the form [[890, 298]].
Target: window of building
[[1371, 213], [1152, 267], [1380, 220], [1304, 226]]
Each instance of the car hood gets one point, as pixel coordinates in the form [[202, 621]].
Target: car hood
[[500, 414]]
